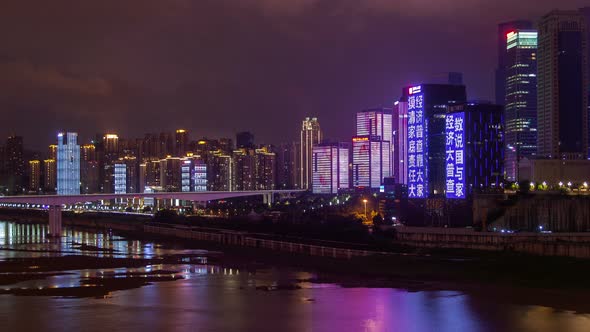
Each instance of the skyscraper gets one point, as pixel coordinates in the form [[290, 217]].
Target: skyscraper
[[181, 143], [68, 164], [521, 99], [562, 98], [50, 175], [14, 164], [371, 158], [286, 174], [265, 169], [244, 170], [311, 135], [474, 147], [427, 107], [330, 168], [503, 30], [34, 176]]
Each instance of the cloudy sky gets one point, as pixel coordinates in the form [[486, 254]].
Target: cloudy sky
[[216, 67]]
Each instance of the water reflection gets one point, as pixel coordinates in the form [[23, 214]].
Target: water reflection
[[31, 240], [223, 298]]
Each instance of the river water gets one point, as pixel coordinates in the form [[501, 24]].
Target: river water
[[211, 298]]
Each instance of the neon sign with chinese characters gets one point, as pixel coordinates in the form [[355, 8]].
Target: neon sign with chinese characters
[[455, 155], [417, 146]]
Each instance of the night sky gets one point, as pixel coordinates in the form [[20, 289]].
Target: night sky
[[216, 67]]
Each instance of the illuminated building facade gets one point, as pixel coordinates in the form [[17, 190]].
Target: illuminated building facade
[[89, 170], [370, 161], [330, 168], [427, 108], [474, 144], [68, 164], [376, 122], [265, 169], [311, 134], [50, 175], [244, 169], [120, 178], [503, 30], [34, 176], [181, 140], [521, 99], [562, 98], [220, 178], [199, 175]]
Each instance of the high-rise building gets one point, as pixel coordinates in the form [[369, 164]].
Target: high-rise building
[[171, 174], [311, 134], [474, 147], [521, 99], [287, 161], [120, 178], [245, 140], [562, 98], [181, 143], [89, 170], [427, 107], [330, 168], [400, 141], [371, 158], [111, 147], [244, 169], [68, 164], [14, 164], [110, 156], [199, 175], [503, 30], [34, 176], [220, 176], [265, 169], [53, 151], [50, 175], [130, 182], [377, 123]]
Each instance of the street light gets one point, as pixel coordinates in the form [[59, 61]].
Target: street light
[[365, 201]]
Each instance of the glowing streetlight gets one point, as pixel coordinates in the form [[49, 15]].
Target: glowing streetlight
[[365, 201]]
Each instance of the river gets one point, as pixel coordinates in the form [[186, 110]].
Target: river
[[211, 298]]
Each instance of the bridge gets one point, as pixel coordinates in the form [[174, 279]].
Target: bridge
[[55, 202]]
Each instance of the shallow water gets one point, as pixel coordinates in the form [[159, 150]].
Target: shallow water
[[211, 298]]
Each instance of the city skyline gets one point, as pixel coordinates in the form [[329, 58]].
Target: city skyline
[[83, 79]]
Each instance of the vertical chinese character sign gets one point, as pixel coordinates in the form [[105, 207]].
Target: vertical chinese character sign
[[417, 146], [455, 155]]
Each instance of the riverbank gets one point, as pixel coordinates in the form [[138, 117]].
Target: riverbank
[[412, 268]]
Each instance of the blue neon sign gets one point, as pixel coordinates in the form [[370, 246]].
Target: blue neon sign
[[455, 155], [417, 147]]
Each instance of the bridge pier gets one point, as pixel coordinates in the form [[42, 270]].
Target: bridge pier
[[55, 220], [268, 198]]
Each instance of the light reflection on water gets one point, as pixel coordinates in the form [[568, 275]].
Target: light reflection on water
[[213, 298], [31, 240]]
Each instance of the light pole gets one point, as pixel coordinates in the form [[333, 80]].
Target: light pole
[[365, 201]]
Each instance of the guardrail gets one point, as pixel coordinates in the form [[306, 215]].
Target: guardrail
[[244, 240]]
